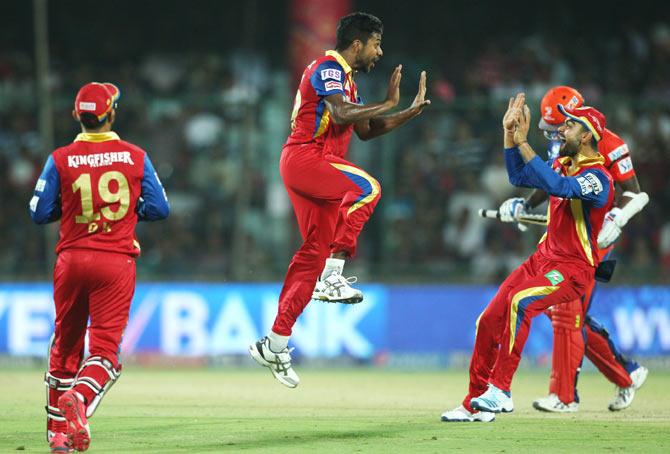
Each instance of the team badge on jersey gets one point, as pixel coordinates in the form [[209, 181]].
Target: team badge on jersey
[[589, 183], [555, 277], [331, 73], [332, 85]]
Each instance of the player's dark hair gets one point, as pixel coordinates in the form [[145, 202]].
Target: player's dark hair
[[90, 121], [357, 26]]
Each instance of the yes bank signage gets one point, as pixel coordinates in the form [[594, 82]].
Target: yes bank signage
[[225, 319], [26, 319], [194, 320], [640, 318], [202, 319]]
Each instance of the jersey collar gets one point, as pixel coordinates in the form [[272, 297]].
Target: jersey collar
[[96, 136], [581, 161], [340, 59]]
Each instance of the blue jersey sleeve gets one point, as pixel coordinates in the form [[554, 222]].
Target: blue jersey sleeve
[[45, 205], [153, 203], [516, 169], [328, 79], [591, 186]]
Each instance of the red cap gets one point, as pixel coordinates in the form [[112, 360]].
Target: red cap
[[563, 95], [97, 99], [592, 119]]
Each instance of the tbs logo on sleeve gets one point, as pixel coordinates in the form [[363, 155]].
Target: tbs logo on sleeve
[[590, 184], [330, 73]]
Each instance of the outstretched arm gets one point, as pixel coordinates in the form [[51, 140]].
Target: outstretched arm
[[591, 186], [345, 112], [377, 126]]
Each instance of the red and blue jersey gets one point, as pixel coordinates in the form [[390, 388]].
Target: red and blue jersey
[[617, 161], [310, 120], [580, 196], [99, 186]]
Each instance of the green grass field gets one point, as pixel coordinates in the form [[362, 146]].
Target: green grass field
[[341, 410]]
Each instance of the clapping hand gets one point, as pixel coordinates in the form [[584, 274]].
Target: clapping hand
[[393, 91], [517, 119], [419, 101]]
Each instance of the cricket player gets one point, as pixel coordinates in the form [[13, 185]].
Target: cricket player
[[561, 269], [575, 332], [332, 197], [99, 186]]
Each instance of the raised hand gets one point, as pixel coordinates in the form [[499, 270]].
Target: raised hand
[[511, 117], [393, 93], [419, 100], [523, 125]]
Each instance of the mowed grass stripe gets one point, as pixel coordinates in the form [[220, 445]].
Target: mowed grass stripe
[[340, 410]]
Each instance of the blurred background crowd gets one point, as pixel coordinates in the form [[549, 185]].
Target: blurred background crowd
[[210, 101]]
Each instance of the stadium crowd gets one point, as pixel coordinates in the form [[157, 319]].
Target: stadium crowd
[[214, 126]]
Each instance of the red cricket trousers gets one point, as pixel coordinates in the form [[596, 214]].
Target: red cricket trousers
[[503, 327], [96, 285], [332, 200], [591, 340]]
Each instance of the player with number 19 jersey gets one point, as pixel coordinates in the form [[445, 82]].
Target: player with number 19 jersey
[[99, 186], [100, 179]]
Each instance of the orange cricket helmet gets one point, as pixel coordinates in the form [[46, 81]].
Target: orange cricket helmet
[[567, 97]]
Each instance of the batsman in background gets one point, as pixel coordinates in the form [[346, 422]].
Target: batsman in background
[[99, 186], [332, 198], [560, 270], [575, 332]]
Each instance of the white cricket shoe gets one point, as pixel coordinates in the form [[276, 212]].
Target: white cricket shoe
[[553, 404], [494, 400], [278, 363], [624, 396], [461, 414], [639, 376], [337, 289]]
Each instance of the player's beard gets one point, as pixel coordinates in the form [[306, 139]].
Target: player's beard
[[365, 64], [569, 148]]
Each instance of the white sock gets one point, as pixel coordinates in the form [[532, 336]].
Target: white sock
[[277, 342], [332, 265]]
